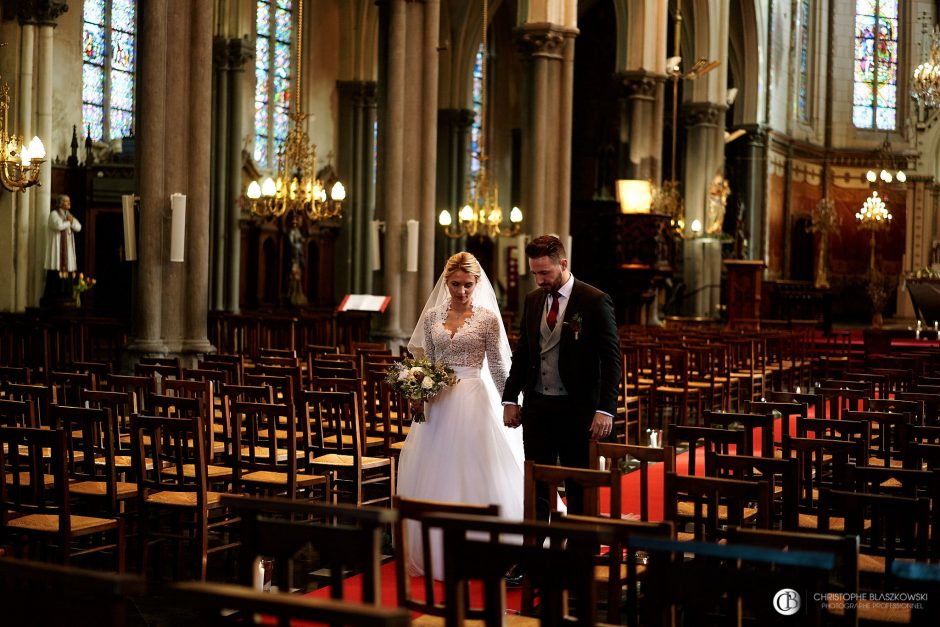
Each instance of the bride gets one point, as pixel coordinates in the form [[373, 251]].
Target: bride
[[462, 453]]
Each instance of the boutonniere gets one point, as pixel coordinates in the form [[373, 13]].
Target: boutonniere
[[575, 325]]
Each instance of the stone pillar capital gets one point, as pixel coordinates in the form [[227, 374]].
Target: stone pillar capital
[[639, 84], [39, 12], [544, 39], [360, 93], [460, 119], [232, 52], [703, 113]]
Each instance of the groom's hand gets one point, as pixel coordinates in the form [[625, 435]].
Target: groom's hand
[[511, 416], [601, 426]]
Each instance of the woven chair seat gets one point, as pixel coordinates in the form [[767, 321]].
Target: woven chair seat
[[687, 510], [214, 471], [49, 523], [122, 489], [347, 461], [262, 453], [47, 480], [348, 440], [182, 499], [269, 477]]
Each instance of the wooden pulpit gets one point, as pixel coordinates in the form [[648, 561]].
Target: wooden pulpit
[[744, 290]]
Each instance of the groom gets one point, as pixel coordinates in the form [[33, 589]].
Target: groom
[[567, 364]]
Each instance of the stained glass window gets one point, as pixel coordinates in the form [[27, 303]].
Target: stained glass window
[[476, 127], [876, 64], [803, 93], [109, 55], [274, 22]]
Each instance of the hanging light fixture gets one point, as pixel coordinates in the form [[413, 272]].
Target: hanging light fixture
[[19, 161], [482, 213], [667, 199], [925, 83], [873, 217], [297, 190]]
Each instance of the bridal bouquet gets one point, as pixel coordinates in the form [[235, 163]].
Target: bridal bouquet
[[419, 380]]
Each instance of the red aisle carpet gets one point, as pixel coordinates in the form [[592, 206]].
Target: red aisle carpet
[[353, 590]]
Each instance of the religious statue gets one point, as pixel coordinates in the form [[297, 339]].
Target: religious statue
[[740, 232], [61, 263], [718, 193], [825, 222], [295, 285]]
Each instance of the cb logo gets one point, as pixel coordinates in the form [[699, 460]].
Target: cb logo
[[787, 601]]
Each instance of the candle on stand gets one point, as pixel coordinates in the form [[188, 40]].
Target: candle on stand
[[130, 231], [523, 266]]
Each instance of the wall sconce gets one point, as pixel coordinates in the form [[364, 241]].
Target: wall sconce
[[696, 227], [635, 196]]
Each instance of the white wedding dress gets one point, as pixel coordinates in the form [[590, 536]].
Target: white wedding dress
[[463, 453]]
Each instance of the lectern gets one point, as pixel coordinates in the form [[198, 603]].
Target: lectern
[[744, 288]]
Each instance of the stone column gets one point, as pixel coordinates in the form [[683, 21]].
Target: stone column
[[641, 125], [705, 153], [453, 133], [173, 131], [755, 194], [27, 231], [922, 204], [549, 52], [357, 108], [151, 131], [240, 52], [195, 338], [220, 124], [43, 195], [408, 171]]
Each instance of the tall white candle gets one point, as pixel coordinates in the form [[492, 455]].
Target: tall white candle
[[177, 227], [413, 245], [130, 230], [376, 246]]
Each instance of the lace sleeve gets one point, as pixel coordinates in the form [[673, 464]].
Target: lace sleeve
[[428, 340], [499, 369]]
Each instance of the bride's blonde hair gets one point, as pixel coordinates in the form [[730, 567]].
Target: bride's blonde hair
[[463, 262]]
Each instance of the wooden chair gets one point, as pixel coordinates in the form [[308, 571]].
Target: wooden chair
[[214, 605], [923, 579], [823, 463], [346, 539], [91, 449], [747, 366], [619, 571], [557, 565], [174, 449], [266, 459], [17, 414], [789, 413], [712, 439], [670, 388], [889, 528], [336, 429], [35, 499], [101, 370], [843, 577], [233, 368], [695, 583], [33, 593], [370, 443], [164, 370], [812, 401], [142, 387], [412, 521], [931, 403], [542, 485], [625, 458], [709, 505], [69, 385], [781, 474], [858, 431], [15, 374], [837, 400], [762, 424], [41, 397], [885, 447], [396, 416]]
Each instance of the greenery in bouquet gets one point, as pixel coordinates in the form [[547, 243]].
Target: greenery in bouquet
[[418, 380], [80, 285]]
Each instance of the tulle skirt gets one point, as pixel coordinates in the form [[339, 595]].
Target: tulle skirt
[[461, 454]]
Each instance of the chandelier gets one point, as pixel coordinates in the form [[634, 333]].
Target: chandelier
[[925, 84], [668, 199], [873, 217], [482, 213], [19, 162], [296, 190]]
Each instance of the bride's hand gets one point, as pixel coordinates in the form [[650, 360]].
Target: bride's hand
[[415, 406]]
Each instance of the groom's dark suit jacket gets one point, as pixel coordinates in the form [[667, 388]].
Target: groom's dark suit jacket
[[590, 365]]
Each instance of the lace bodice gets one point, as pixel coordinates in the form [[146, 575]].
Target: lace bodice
[[476, 339]]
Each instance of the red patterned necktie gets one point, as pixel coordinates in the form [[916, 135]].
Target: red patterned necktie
[[552, 318]]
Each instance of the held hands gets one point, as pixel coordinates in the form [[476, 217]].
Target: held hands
[[601, 426], [512, 417]]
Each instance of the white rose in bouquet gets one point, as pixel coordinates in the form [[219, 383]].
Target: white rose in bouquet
[[404, 374], [427, 383], [417, 371]]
